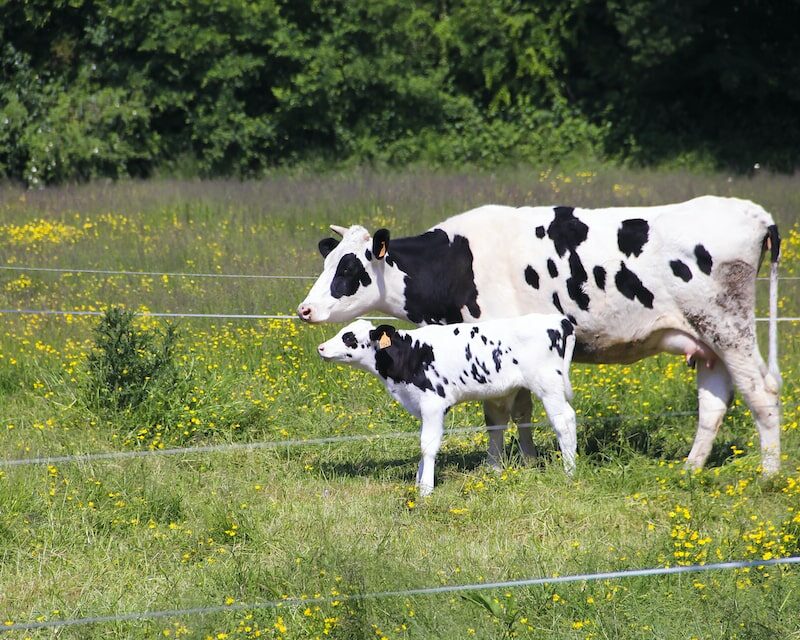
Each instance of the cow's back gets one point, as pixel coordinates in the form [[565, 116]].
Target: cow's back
[[620, 273]]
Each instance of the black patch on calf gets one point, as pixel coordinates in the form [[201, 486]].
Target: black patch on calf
[[631, 287], [456, 331], [531, 277], [558, 339], [368, 255], [439, 280], [566, 231], [704, 261], [477, 375], [681, 270], [551, 268], [496, 356], [468, 353], [403, 361], [540, 231], [632, 236], [349, 340], [600, 277], [350, 274], [473, 332], [440, 390]]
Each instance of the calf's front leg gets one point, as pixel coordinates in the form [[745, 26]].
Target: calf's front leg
[[430, 439]]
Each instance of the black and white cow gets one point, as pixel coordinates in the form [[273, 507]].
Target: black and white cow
[[634, 281], [430, 369]]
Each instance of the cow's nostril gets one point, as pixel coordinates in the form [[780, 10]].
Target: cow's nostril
[[304, 312]]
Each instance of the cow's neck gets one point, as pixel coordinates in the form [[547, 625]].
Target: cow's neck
[[392, 300]]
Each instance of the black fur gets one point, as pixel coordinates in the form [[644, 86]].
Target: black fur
[[600, 277], [326, 245], [349, 340], [531, 277], [380, 243], [576, 281], [704, 261], [566, 231], [439, 279], [681, 270], [403, 361], [350, 274], [551, 268], [631, 287], [632, 236]]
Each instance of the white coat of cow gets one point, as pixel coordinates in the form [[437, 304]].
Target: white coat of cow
[[634, 281], [428, 370]]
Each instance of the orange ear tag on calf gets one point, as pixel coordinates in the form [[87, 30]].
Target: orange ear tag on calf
[[382, 252], [385, 341]]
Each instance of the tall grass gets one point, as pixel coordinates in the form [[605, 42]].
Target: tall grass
[[102, 537]]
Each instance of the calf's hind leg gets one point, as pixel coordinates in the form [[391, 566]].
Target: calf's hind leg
[[562, 418]]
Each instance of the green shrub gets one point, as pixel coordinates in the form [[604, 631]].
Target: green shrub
[[130, 365]]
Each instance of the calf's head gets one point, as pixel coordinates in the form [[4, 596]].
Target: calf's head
[[357, 343], [350, 280]]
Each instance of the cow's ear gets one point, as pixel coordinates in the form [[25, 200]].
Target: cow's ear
[[380, 243], [383, 335], [327, 245]]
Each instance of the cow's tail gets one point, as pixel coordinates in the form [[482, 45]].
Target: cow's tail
[[569, 347], [772, 242]]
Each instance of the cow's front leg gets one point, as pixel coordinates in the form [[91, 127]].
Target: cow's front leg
[[496, 414], [430, 439]]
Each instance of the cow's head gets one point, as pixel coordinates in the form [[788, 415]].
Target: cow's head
[[349, 282]]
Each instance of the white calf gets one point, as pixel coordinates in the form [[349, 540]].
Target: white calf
[[430, 369]]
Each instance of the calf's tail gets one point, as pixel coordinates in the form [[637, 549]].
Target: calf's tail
[[772, 242], [569, 347]]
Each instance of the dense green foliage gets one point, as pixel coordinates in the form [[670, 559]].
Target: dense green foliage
[[102, 88]]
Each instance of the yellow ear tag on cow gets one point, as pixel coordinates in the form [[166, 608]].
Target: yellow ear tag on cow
[[385, 341], [382, 252]]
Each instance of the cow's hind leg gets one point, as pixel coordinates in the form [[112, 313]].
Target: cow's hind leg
[[714, 395], [761, 395]]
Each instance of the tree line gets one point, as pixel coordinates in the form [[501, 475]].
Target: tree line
[[236, 87]]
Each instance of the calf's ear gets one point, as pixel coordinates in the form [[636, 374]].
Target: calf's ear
[[326, 246], [383, 335], [380, 243]]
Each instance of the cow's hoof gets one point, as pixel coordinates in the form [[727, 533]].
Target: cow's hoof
[[424, 490]]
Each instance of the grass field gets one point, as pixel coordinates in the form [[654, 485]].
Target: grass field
[[221, 529]]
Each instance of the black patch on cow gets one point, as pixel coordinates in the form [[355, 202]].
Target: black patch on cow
[[681, 270], [468, 353], [350, 274], [704, 260], [440, 390], [349, 340], [439, 281], [572, 319], [557, 303], [456, 331], [632, 236], [531, 277], [403, 361], [576, 281], [540, 231], [600, 277], [496, 356], [631, 287], [566, 231], [551, 268], [326, 245]]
